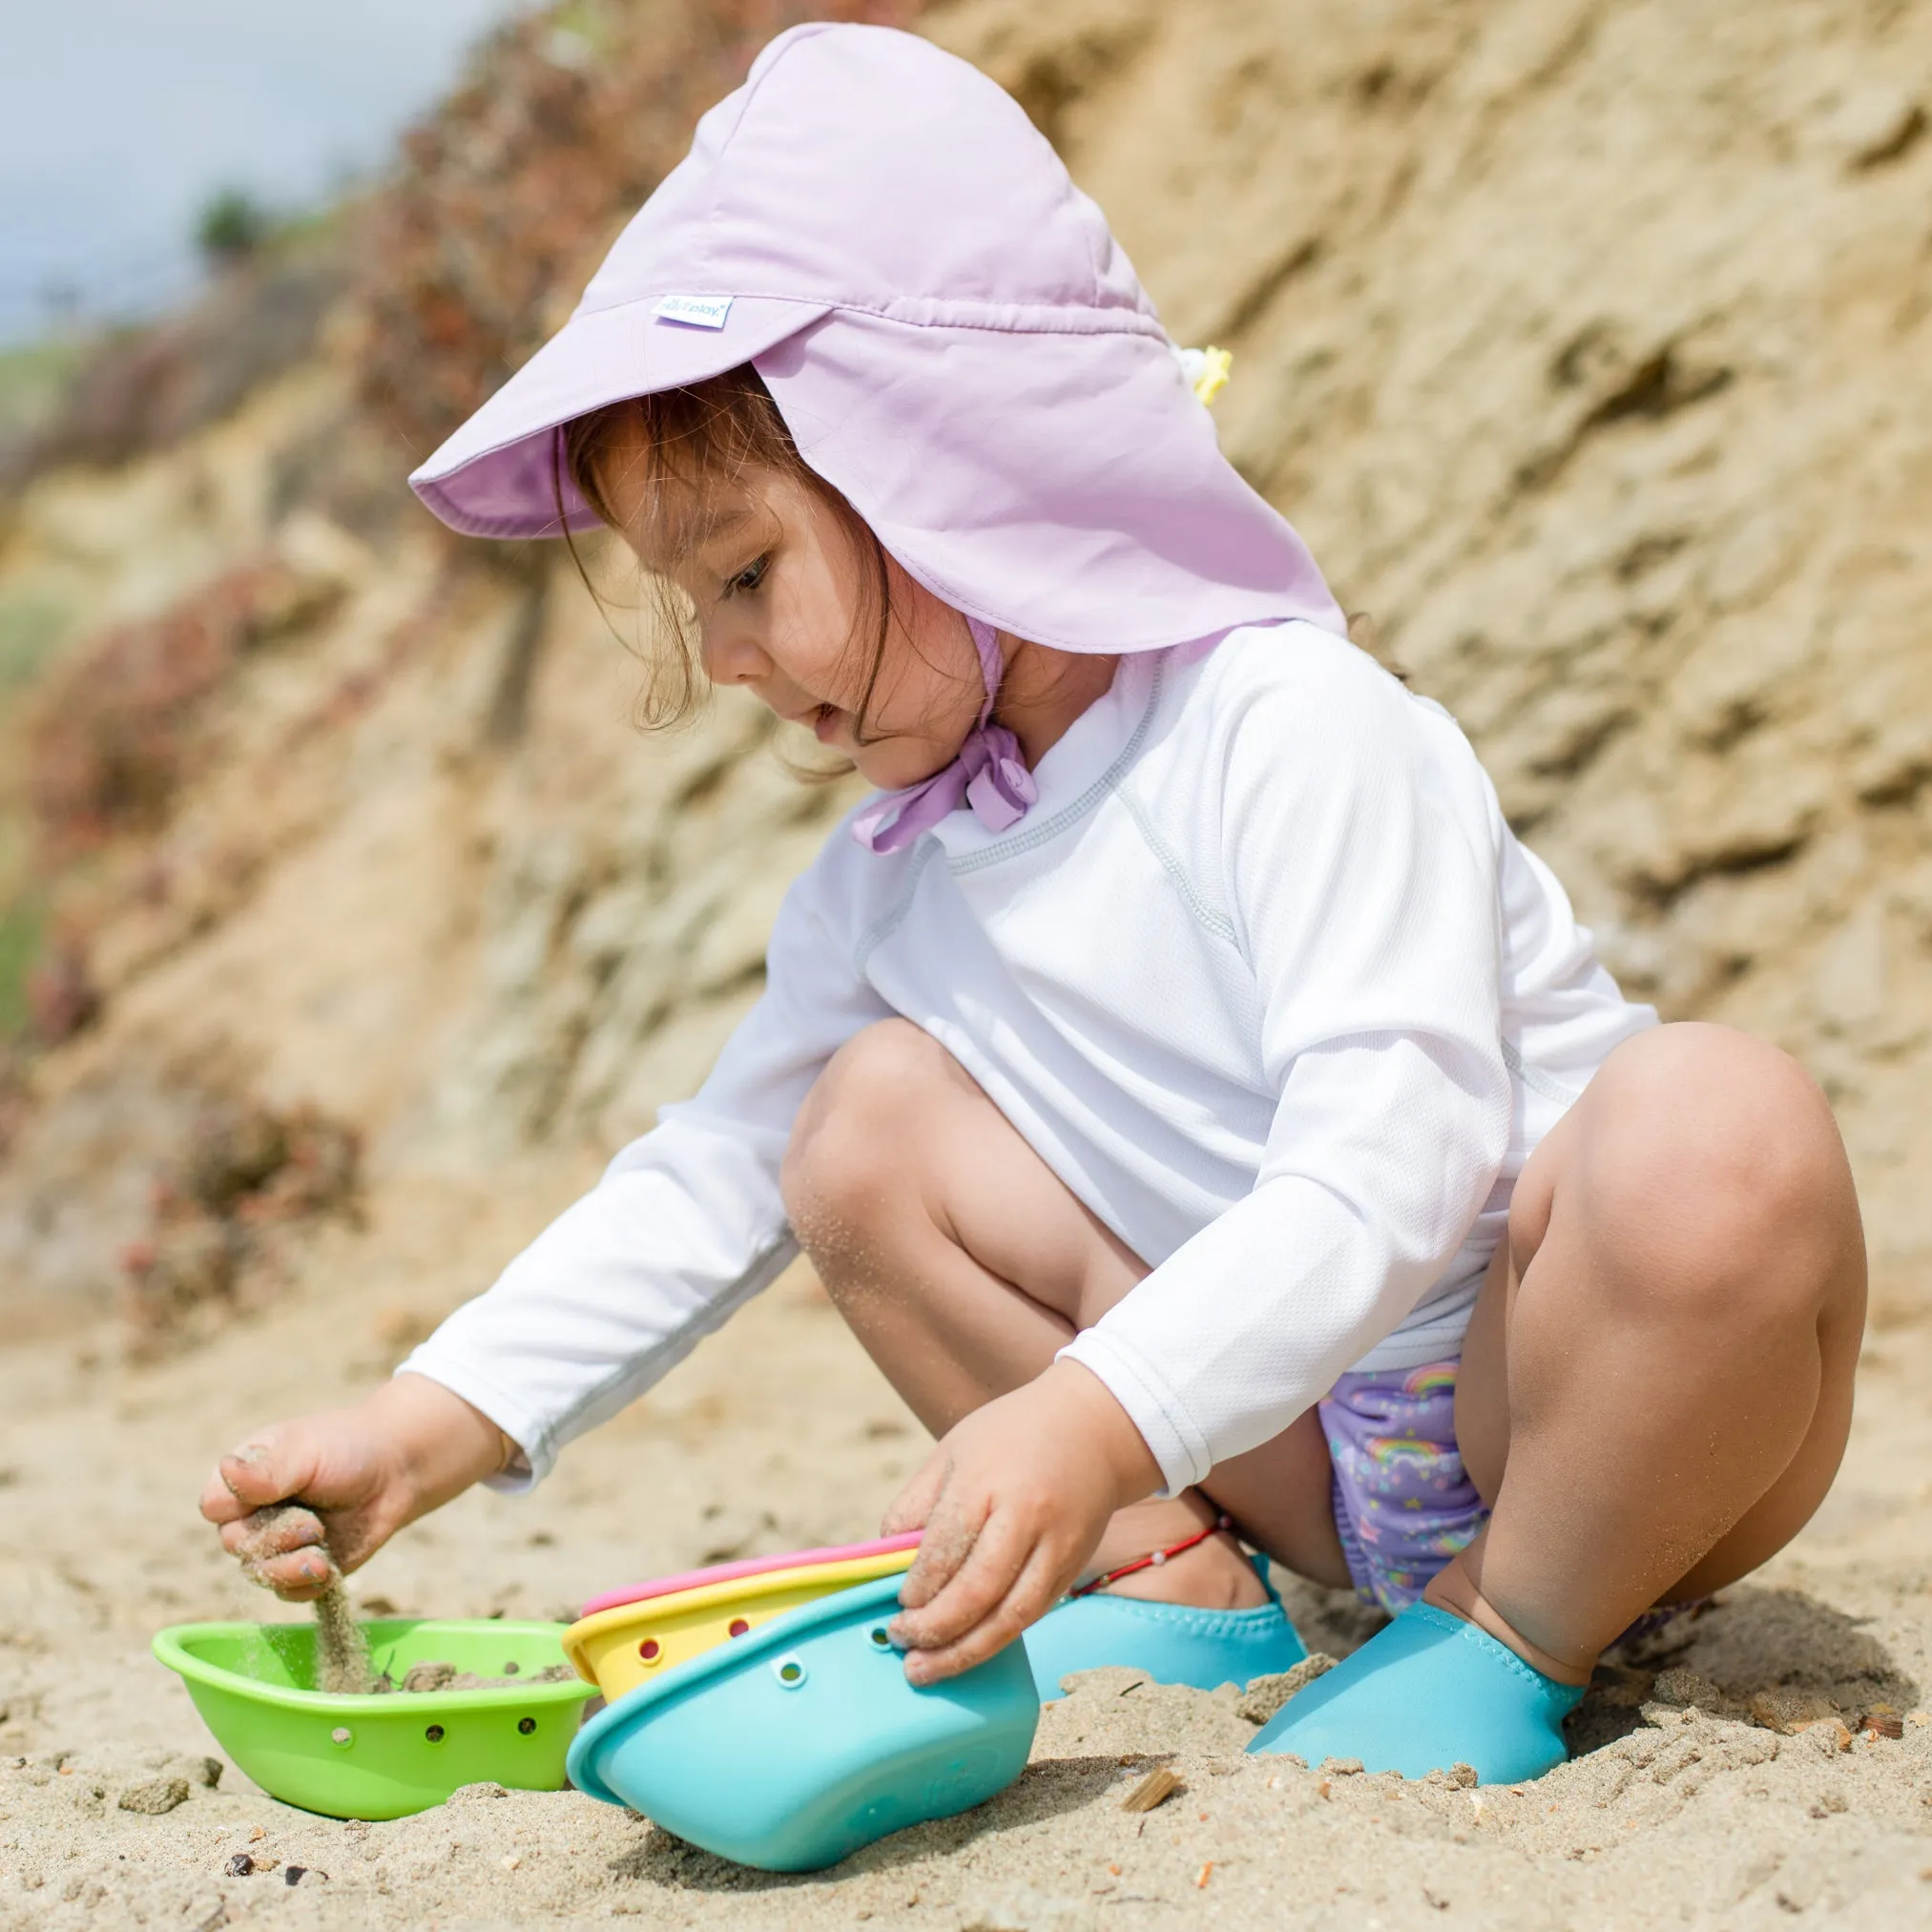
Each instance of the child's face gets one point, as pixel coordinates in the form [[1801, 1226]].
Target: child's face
[[778, 592]]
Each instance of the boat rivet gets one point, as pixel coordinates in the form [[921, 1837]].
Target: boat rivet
[[789, 1671], [882, 1637], [434, 1734], [739, 1626], [649, 1649], [525, 1725], [341, 1734]]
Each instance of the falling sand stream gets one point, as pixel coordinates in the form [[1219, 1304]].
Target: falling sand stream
[[342, 1651]]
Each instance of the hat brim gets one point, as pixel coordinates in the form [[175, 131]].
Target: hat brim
[[497, 475]]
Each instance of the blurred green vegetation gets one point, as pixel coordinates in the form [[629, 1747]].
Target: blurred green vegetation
[[232, 226], [34, 380], [22, 927], [30, 628]]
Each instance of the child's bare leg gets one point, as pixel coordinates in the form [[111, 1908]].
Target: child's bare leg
[[1657, 1386], [963, 1264]]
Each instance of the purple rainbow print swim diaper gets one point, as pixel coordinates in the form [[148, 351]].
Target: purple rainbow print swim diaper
[[1403, 1506]]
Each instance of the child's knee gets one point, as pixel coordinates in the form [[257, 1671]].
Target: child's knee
[[853, 1141], [1710, 1158]]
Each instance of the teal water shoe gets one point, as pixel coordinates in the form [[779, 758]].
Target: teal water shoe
[[1174, 1643], [1427, 1693]]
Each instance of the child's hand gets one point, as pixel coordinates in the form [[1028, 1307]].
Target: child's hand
[[1013, 1500], [361, 1473]]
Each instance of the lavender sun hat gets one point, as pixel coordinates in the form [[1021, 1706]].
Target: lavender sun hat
[[957, 345]]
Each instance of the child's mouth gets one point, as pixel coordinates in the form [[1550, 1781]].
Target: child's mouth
[[824, 721]]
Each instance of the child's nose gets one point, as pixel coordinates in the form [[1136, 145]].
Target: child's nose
[[733, 658]]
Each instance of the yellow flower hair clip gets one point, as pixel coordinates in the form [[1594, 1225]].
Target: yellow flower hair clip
[[1206, 371]]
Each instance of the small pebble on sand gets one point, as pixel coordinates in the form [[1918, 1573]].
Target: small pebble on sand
[[158, 1795]]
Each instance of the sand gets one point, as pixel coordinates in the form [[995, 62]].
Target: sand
[[341, 1653], [1682, 1808]]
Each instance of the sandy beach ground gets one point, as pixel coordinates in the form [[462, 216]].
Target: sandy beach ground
[[1682, 1807]]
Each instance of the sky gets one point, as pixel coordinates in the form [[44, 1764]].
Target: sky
[[120, 118]]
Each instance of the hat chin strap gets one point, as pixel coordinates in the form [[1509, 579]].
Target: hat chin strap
[[988, 774]]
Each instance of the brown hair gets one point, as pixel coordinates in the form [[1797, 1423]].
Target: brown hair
[[695, 445]]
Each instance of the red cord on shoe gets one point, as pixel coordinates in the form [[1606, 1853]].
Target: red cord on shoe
[[1157, 1559]]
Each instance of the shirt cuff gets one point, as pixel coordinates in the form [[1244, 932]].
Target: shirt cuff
[[1165, 1425], [534, 1454]]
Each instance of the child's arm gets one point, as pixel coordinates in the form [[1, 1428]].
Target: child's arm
[[1360, 845], [686, 1225]]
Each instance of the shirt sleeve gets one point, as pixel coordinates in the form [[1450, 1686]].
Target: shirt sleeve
[[686, 1225], [1358, 851]]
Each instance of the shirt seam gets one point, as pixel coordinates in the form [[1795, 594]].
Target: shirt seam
[[1535, 1079], [1217, 922], [889, 923]]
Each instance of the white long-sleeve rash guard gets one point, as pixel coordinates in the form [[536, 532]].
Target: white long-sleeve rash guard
[[1263, 977]]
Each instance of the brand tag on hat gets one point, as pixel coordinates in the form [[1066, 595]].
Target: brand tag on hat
[[695, 311]]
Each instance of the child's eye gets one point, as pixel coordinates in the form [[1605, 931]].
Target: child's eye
[[750, 577]]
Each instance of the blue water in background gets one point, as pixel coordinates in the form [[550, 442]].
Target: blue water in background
[[120, 118]]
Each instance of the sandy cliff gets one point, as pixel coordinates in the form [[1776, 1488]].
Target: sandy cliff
[[1587, 344]]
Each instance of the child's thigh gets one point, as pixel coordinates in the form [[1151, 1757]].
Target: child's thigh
[[1015, 1216], [898, 1145]]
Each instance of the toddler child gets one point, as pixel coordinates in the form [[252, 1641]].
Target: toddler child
[[1203, 1110]]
